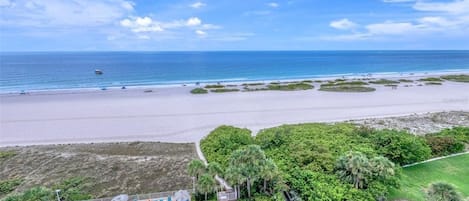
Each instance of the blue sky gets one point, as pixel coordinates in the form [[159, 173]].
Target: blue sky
[[95, 25]]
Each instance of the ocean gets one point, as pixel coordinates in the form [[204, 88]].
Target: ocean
[[31, 71]]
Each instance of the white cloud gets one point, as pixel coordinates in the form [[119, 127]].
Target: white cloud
[[273, 4], [198, 5], [141, 24], [60, 13], [200, 33], [193, 21], [343, 24], [455, 7], [447, 18]]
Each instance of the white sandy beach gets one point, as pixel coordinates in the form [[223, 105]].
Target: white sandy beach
[[175, 115]]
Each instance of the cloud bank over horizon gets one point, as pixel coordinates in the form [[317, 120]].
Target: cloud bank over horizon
[[30, 25]]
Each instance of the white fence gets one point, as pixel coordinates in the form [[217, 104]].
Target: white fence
[[161, 196]]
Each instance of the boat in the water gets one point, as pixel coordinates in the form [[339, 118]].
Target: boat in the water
[[98, 72]]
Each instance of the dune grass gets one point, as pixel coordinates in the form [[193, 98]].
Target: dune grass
[[384, 81], [223, 90], [214, 86], [347, 88], [456, 78], [433, 83], [199, 91], [453, 170], [290, 86], [431, 79], [405, 80]]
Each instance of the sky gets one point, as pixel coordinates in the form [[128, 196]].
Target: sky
[[211, 25]]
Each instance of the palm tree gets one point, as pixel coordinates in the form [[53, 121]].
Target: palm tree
[[442, 192], [382, 168], [269, 171], [354, 168], [249, 162], [214, 169], [206, 184], [196, 168], [233, 175]]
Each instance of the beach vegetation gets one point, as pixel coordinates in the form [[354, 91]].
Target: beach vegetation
[[405, 80], [290, 86], [253, 84], [400, 147], [9, 185], [308, 158], [214, 86], [6, 155], [223, 90], [384, 81], [431, 79], [307, 81], [33, 194], [71, 189], [221, 142], [199, 91], [433, 83], [346, 88], [444, 145], [391, 85], [247, 89], [206, 184], [416, 180], [441, 191], [456, 78]]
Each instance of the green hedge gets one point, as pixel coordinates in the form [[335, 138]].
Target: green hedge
[[221, 142]]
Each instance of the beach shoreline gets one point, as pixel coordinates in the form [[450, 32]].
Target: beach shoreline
[[175, 115], [194, 84]]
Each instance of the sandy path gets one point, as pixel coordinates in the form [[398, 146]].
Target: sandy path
[[177, 116]]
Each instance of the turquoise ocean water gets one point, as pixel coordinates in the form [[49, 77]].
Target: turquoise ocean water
[[69, 70]]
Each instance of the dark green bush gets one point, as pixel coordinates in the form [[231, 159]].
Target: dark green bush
[[214, 86], [223, 90], [444, 145], [400, 147], [290, 86], [199, 91], [224, 140], [459, 133]]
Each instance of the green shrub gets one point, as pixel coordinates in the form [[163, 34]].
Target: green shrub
[[433, 83], [199, 91], [431, 79], [405, 80], [400, 147], [6, 155], [222, 141], [459, 133], [347, 89], [456, 78], [253, 84], [214, 86], [74, 189], [384, 81], [290, 86], [9, 185], [33, 194], [444, 145], [223, 90]]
